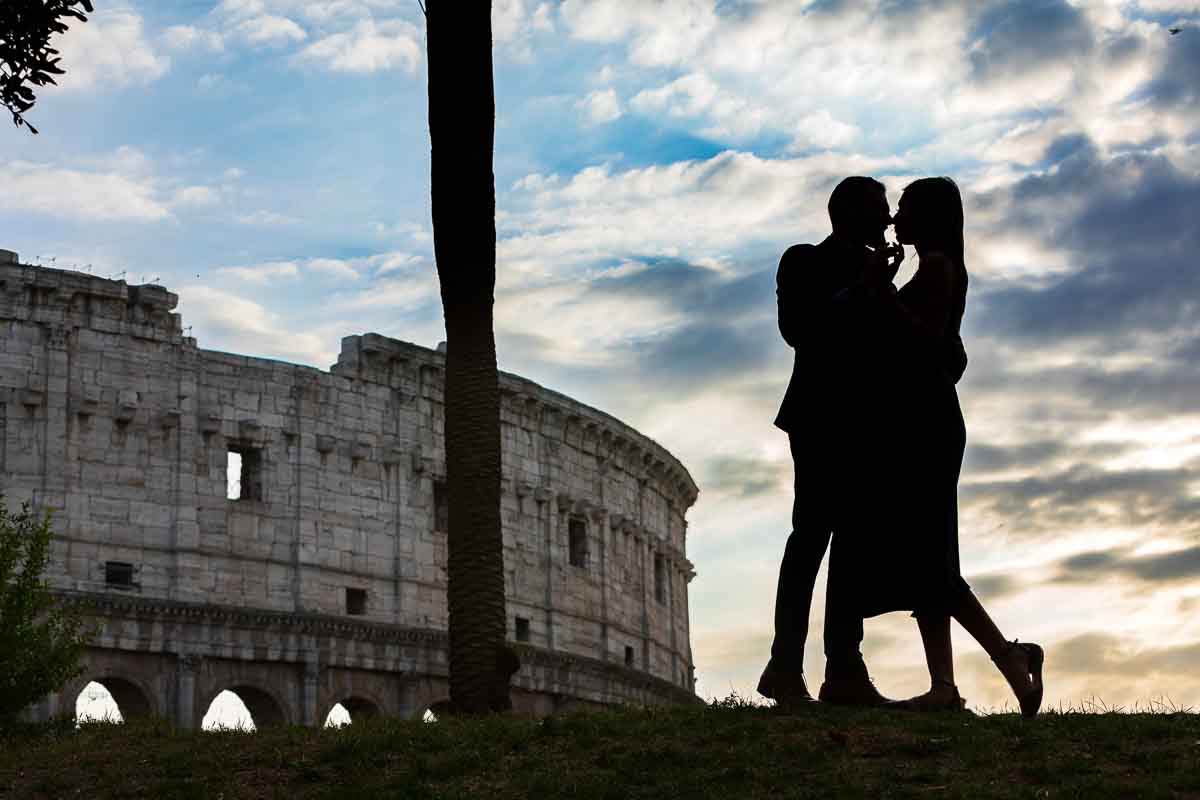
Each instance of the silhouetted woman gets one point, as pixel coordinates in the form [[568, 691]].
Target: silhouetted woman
[[905, 438]]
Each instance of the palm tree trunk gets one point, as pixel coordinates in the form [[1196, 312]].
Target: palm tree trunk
[[462, 124]]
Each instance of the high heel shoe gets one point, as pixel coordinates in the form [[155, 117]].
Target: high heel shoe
[[1021, 665]]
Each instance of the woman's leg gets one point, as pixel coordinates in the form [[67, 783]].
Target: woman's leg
[[971, 614], [1021, 665], [939, 652], [939, 656]]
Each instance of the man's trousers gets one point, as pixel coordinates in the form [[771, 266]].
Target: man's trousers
[[813, 521]]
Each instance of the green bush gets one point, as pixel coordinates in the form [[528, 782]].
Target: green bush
[[41, 639]]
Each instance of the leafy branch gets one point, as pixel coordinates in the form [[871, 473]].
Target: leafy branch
[[26, 57]]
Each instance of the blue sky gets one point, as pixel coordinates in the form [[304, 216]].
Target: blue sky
[[268, 161]]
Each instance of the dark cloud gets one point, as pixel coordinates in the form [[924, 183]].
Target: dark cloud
[[1177, 85], [1128, 224], [1174, 565], [991, 586], [1040, 454], [744, 477], [1101, 653], [983, 457], [1012, 38], [729, 335], [731, 332], [1086, 392], [692, 289], [1086, 495], [697, 355], [1064, 147]]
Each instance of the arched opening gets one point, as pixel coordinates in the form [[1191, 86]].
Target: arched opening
[[111, 699], [242, 708], [348, 710], [436, 710]]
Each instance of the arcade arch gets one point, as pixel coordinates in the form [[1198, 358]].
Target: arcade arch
[[348, 709], [245, 707], [110, 698], [435, 710]]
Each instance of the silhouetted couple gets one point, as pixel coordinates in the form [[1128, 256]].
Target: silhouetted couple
[[877, 438]]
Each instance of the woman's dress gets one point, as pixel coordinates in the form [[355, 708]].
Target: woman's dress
[[896, 544]]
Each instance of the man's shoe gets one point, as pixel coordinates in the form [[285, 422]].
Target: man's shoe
[[851, 690], [785, 687]]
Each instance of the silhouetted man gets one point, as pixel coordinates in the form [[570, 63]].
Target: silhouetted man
[[808, 278]]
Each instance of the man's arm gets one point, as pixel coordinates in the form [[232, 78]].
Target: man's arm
[[794, 311]]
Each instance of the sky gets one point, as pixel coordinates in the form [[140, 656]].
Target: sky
[[268, 161]]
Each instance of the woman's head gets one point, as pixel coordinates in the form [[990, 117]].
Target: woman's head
[[930, 216]]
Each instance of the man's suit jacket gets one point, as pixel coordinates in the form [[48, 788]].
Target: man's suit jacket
[[808, 280]]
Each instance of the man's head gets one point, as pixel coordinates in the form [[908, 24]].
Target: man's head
[[858, 209]]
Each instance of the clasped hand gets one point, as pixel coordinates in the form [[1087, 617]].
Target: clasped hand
[[882, 264]]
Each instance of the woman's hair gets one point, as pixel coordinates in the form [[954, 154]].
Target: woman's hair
[[939, 210]]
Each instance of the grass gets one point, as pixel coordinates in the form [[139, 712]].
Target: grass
[[726, 750]]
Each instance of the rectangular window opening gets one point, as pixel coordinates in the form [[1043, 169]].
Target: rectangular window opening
[[522, 629], [660, 578], [628, 656], [118, 573], [356, 602], [243, 473], [441, 507], [577, 531]]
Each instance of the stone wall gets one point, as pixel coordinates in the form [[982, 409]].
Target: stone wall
[[118, 422]]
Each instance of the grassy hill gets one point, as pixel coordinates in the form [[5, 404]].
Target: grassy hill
[[729, 750]]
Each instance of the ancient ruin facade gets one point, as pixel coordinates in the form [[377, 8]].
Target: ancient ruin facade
[[279, 530]]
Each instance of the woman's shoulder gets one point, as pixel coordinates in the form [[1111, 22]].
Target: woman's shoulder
[[941, 265]]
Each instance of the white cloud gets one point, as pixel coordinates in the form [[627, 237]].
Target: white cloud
[[265, 219], [601, 106], [241, 9], [392, 262], [270, 30], [543, 18], [369, 47], [397, 295], [419, 276], [736, 116], [333, 266], [1170, 6], [820, 129], [108, 51], [412, 230], [515, 24], [508, 16], [663, 33], [77, 194], [225, 321], [210, 81], [403, 282], [728, 201], [188, 37], [262, 273], [688, 96], [125, 159], [195, 196]]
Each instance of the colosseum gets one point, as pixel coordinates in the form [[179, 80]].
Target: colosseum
[[278, 530]]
